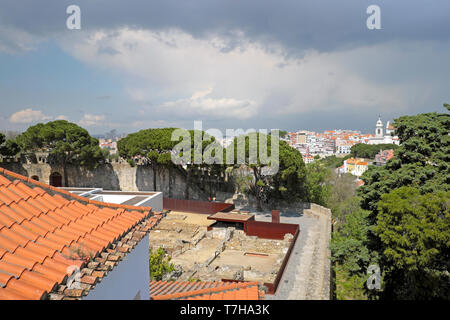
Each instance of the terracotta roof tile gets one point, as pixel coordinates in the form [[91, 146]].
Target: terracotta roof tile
[[9, 294], [11, 268], [213, 290], [44, 232], [4, 181], [26, 289]]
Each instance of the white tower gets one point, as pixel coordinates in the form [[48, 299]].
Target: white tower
[[388, 128], [379, 128]]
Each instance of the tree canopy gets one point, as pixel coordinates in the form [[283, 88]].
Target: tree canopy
[[408, 200], [333, 161], [156, 146], [8, 147], [422, 160], [362, 150], [65, 142], [287, 183], [317, 176], [152, 144], [399, 219], [414, 230]]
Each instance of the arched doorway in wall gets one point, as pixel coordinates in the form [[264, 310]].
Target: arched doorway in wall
[[56, 179], [35, 178]]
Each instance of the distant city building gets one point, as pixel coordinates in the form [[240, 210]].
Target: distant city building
[[301, 137], [383, 156], [110, 144], [355, 166], [308, 159], [338, 141], [384, 136], [344, 146]]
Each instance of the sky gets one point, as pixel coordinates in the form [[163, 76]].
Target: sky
[[287, 64]]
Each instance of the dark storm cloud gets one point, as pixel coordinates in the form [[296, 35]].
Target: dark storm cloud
[[298, 25]]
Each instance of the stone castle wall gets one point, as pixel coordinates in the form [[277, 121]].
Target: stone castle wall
[[114, 176]]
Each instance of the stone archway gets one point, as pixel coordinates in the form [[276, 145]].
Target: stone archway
[[56, 179], [35, 178]]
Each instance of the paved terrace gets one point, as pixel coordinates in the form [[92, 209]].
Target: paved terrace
[[307, 274]]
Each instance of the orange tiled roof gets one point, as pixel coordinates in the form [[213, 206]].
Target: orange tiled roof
[[351, 161], [211, 290], [163, 288], [44, 232]]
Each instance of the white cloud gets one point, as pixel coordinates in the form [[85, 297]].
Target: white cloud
[[61, 117], [14, 40], [180, 76], [199, 105], [90, 120], [28, 116]]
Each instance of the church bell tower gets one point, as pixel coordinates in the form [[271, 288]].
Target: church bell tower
[[379, 128]]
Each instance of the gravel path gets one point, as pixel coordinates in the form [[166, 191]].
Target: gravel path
[[307, 274]]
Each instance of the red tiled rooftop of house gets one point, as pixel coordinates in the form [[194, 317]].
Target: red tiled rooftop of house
[[209, 290], [359, 183], [45, 232], [164, 288]]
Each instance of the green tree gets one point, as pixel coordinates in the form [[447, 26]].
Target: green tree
[[8, 147], [422, 160], [422, 163], [287, 183], [317, 186], [211, 157], [349, 242], [160, 264], [414, 230], [349, 247], [369, 151], [282, 133], [65, 142], [333, 161], [154, 145]]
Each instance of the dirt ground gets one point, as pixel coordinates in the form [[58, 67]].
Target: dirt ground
[[238, 258], [192, 218], [204, 249]]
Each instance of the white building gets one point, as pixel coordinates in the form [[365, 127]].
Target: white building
[[355, 166], [344, 147], [382, 135]]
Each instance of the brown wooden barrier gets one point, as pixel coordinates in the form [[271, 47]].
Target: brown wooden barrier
[[272, 287], [270, 230], [194, 206]]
